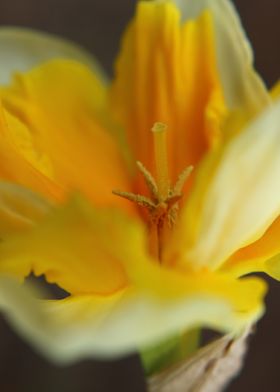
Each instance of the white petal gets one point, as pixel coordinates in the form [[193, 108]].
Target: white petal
[[22, 49], [241, 195]]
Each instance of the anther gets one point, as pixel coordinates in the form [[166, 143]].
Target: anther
[[138, 199], [182, 178], [150, 181]]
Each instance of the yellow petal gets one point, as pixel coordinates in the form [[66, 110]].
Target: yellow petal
[[91, 326], [245, 92], [19, 209], [275, 91], [22, 49], [31, 168], [166, 72], [80, 248], [256, 256], [62, 106], [236, 196]]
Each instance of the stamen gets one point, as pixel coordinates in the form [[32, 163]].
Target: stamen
[[150, 181], [138, 199], [163, 204], [182, 178], [160, 144]]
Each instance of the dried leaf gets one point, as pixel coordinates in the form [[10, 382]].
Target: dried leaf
[[209, 370]]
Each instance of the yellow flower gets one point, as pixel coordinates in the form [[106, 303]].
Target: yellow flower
[[74, 147]]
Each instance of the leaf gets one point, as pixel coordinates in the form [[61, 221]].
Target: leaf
[[170, 351]]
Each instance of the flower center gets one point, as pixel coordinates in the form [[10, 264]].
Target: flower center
[[162, 205]]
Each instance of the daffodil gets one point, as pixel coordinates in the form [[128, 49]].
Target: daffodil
[[146, 198]]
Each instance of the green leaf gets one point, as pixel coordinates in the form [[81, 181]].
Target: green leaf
[[169, 352]]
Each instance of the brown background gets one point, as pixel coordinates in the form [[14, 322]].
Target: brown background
[[98, 25]]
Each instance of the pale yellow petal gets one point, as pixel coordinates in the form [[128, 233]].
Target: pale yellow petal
[[236, 196], [91, 326], [22, 49], [60, 328]]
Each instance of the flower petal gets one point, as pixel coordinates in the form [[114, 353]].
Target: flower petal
[[29, 169], [275, 91], [80, 248], [236, 197], [245, 93], [22, 49], [166, 72], [19, 209], [62, 106], [259, 256], [91, 326]]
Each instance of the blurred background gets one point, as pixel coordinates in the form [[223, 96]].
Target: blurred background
[[97, 25]]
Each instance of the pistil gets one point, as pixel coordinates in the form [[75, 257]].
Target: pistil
[[159, 131]]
